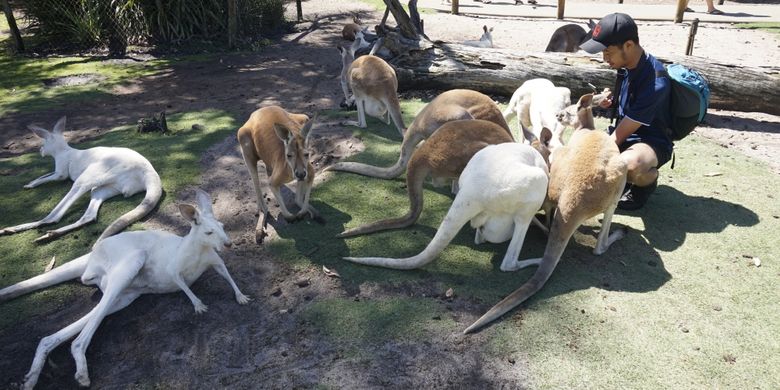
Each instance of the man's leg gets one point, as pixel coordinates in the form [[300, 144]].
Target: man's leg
[[642, 163]]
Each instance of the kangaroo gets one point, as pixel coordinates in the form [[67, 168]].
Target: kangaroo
[[486, 40], [349, 31], [501, 182], [569, 37], [128, 265], [281, 140], [456, 104], [536, 104], [586, 179], [347, 57], [437, 158], [374, 87], [104, 171]]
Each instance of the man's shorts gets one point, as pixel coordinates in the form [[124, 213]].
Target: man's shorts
[[663, 152]]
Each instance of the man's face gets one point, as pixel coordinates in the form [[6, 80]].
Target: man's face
[[615, 56]]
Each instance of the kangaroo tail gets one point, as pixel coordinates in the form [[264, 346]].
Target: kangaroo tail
[[407, 148], [70, 270], [153, 195], [461, 211], [414, 184], [560, 233]]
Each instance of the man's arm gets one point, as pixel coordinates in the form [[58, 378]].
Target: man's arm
[[626, 127]]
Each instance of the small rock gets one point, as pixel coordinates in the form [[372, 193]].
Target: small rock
[[717, 307], [729, 358], [303, 282], [511, 360], [684, 329], [450, 293]]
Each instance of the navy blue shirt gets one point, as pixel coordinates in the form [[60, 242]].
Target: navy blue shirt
[[645, 99]]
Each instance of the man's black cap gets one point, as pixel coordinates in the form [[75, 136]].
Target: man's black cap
[[613, 29]]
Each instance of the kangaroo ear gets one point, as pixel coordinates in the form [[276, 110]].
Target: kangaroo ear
[[40, 132], [306, 130], [545, 137], [189, 212], [484, 28], [586, 100], [204, 200], [60, 125], [282, 132]]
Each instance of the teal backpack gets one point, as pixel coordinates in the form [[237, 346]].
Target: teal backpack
[[690, 97]]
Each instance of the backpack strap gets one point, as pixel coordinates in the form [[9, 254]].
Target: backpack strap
[[616, 96]]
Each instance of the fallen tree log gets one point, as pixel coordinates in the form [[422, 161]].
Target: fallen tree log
[[498, 71]]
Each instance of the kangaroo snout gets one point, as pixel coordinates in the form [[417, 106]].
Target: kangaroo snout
[[300, 174]]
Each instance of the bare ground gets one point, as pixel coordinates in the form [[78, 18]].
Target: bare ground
[[159, 340]]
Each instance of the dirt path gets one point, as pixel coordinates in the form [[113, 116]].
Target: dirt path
[[267, 344]]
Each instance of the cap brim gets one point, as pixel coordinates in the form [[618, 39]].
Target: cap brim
[[592, 46]]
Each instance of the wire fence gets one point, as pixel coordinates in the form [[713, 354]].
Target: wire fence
[[116, 24]]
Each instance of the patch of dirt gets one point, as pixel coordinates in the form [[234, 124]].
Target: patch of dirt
[[160, 340], [69, 81]]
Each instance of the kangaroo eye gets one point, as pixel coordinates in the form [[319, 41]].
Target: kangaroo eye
[[209, 233], [289, 155]]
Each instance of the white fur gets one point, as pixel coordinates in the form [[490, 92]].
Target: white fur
[[486, 40], [103, 171], [501, 189], [128, 265], [537, 103]]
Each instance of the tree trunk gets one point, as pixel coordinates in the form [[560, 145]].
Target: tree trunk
[[496, 71], [9, 16]]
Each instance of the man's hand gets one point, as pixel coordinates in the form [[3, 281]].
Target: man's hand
[[606, 102]]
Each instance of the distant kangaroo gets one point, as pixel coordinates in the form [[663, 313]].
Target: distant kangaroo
[[586, 179], [438, 158], [105, 172], [569, 37], [451, 105]]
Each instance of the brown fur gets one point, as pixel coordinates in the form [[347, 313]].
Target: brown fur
[[349, 31], [261, 139], [438, 158], [456, 104], [586, 178]]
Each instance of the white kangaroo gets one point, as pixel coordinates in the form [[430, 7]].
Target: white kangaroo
[[128, 265], [486, 40], [374, 86], [586, 179], [103, 171], [281, 141], [452, 105], [501, 189], [536, 104]]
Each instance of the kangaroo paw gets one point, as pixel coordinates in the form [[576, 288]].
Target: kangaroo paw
[[259, 236], [48, 236]]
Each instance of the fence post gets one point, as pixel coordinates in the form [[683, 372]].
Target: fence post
[[299, 9], [9, 15], [691, 36], [232, 22], [561, 7], [681, 4], [455, 7]]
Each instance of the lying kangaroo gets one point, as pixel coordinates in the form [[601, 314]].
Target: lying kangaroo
[[536, 104], [281, 140], [449, 106], [586, 179], [501, 182], [374, 88], [486, 40], [569, 37], [438, 158], [105, 172], [128, 265]]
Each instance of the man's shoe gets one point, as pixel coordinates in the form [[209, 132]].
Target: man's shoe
[[636, 196]]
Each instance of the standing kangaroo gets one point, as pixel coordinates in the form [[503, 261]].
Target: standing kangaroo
[[128, 265], [281, 140], [586, 179], [438, 158], [104, 171], [536, 104], [374, 87], [501, 189], [569, 37], [456, 104]]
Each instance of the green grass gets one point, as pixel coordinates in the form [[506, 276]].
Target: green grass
[[175, 157], [667, 306], [772, 27]]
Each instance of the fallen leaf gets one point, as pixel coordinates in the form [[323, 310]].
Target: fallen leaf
[[51, 264], [756, 261], [450, 293], [713, 174], [329, 272]]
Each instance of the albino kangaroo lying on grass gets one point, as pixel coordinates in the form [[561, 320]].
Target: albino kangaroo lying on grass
[[486, 40], [281, 140], [586, 179], [103, 171], [374, 87], [128, 265], [438, 158], [456, 104], [536, 103], [505, 182]]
